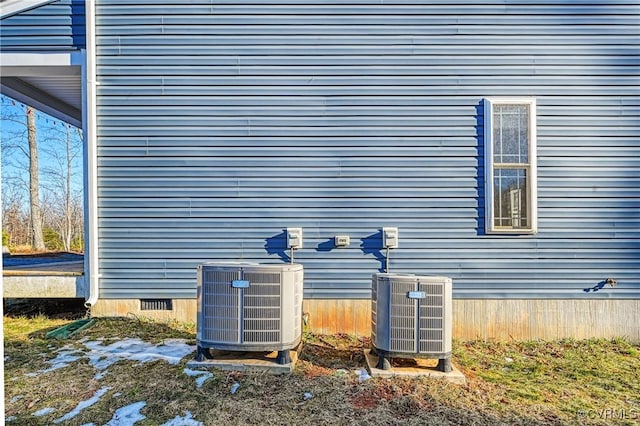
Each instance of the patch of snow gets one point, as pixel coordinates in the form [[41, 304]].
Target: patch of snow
[[44, 412], [235, 388], [307, 396], [100, 375], [103, 356], [187, 420], [364, 375], [204, 376], [83, 404], [16, 398], [127, 415], [10, 419], [171, 351], [64, 358], [65, 348]]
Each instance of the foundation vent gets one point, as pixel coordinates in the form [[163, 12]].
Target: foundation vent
[[156, 304]]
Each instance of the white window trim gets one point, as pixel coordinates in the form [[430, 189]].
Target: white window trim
[[490, 228]]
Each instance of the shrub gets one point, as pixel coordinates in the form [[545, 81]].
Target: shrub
[[52, 240]]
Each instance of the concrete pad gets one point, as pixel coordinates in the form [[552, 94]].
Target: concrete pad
[[413, 367], [247, 361]]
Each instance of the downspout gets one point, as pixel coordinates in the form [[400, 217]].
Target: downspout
[[92, 265]]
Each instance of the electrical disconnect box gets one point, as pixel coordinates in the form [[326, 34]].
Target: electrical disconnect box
[[294, 238], [390, 237]]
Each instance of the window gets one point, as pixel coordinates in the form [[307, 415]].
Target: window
[[510, 165]]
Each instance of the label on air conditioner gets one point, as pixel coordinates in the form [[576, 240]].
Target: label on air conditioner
[[240, 284], [417, 295]]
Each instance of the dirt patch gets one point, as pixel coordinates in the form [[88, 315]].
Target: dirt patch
[[335, 352]]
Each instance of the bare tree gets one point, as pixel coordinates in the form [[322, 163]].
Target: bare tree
[[37, 241], [15, 176], [15, 219], [14, 185], [63, 147], [43, 178]]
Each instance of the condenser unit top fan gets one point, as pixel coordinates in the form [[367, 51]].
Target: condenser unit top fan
[[249, 306]]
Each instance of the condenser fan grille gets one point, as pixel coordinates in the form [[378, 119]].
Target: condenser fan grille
[[261, 310], [220, 303], [403, 320]]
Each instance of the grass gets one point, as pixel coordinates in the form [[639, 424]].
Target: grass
[[528, 383]]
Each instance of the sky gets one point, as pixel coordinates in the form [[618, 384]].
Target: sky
[[51, 135]]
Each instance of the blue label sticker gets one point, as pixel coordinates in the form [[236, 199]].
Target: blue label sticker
[[240, 284], [417, 295]]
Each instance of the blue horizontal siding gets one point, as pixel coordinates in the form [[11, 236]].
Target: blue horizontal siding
[[380, 18], [57, 26], [219, 125]]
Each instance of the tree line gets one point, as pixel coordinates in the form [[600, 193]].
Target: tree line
[[42, 204]]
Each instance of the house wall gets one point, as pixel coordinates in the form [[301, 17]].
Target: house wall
[[485, 319], [221, 125], [57, 26]]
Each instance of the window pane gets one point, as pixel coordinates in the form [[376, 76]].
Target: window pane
[[511, 133], [510, 198]]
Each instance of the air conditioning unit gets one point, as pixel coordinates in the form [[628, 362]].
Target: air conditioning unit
[[249, 307], [411, 318]]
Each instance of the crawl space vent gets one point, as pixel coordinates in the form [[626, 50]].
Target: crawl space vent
[[156, 305]]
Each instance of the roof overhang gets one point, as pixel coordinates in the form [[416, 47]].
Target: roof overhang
[[50, 82], [13, 7]]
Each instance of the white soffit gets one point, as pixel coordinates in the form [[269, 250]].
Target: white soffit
[[50, 82], [13, 7]]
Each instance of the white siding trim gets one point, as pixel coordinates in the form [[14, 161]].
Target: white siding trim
[[92, 264], [23, 62]]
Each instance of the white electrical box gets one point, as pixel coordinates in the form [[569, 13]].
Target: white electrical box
[[390, 237], [294, 238], [341, 240]]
